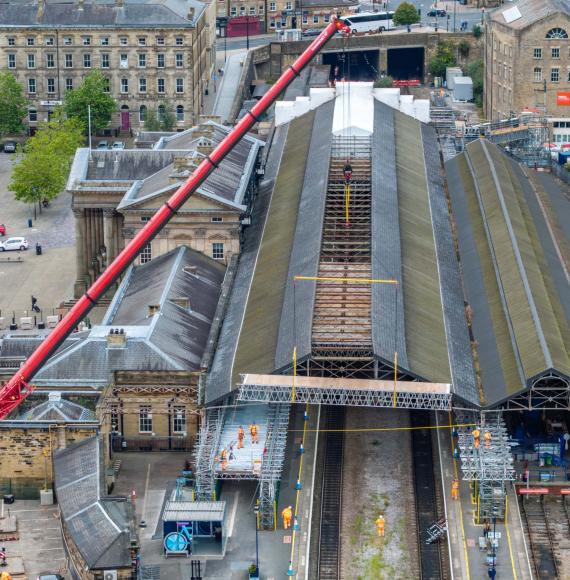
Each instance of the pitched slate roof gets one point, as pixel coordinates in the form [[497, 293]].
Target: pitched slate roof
[[101, 13], [57, 409], [172, 339], [102, 538], [227, 184], [531, 11], [514, 278]]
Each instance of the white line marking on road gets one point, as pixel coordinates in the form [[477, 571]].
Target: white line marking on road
[[233, 516], [145, 491]]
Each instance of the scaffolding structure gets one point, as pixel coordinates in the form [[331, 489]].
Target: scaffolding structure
[[490, 464], [272, 465], [273, 435], [205, 455], [339, 391]]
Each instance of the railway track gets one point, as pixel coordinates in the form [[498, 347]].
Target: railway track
[[433, 565], [558, 522], [329, 544], [540, 534]]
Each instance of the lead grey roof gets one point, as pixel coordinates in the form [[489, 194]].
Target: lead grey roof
[[520, 307], [102, 538], [173, 339], [227, 184], [101, 13], [59, 410]]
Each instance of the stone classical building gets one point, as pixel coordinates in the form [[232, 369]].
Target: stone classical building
[[116, 192], [527, 61], [277, 14], [154, 54]]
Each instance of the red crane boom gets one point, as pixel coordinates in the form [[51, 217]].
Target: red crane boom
[[17, 388]]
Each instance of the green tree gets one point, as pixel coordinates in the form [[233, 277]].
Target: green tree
[[477, 31], [92, 92], [151, 123], [444, 57], [43, 167], [13, 105], [384, 83], [406, 13], [475, 70], [464, 47], [168, 120]]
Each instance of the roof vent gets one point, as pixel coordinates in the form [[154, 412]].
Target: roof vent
[[183, 301], [153, 309], [190, 269], [54, 397], [117, 338]]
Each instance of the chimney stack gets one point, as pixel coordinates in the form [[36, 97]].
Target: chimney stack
[[119, 3], [191, 14], [41, 8], [117, 338]]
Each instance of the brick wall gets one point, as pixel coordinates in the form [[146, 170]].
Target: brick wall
[[22, 460]]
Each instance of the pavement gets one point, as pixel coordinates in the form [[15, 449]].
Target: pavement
[[49, 277], [467, 560], [229, 84], [40, 545]]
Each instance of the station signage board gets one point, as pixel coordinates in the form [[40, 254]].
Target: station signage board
[[563, 98], [533, 490]]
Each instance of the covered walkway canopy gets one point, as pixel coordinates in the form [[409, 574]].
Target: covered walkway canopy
[[341, 391]]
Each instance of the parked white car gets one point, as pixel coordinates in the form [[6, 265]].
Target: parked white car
[[14, 244]]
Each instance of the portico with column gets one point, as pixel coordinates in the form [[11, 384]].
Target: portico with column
[[96, 243]]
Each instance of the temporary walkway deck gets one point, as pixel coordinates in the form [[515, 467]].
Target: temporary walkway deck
[[341, 391]]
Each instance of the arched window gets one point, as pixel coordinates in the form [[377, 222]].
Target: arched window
[[161, 110], [180, 113], [142, 113], [555, 33]]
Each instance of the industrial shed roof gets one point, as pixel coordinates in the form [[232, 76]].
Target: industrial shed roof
[[102, 538], [411, 241], [514, 271]]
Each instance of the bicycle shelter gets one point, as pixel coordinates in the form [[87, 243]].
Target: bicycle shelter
[[200, 527]]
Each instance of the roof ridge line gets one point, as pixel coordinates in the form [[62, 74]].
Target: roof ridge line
[[498, 279]]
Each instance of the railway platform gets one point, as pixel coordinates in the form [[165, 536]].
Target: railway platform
[[280, 551], [469, 555]]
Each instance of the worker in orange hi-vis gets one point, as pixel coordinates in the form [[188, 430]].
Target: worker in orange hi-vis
[[487, 437], [287, 514], [476, 438], [224, 459], [5, 576], [241, 435], [253, 433], [380, 525], [455, 489]]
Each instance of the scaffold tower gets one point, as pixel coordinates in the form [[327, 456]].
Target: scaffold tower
[[489, 464]]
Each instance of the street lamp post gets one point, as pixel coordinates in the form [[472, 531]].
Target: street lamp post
[[454, 13], [247, 32]]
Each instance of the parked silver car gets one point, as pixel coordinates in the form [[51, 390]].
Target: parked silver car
[[12, 244]]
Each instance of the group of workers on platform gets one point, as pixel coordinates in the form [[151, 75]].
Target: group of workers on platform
[[227, 453], [477, 438]]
